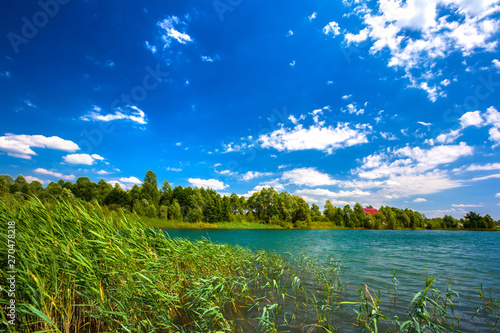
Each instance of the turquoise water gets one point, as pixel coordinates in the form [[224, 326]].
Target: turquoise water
[[371, 256]]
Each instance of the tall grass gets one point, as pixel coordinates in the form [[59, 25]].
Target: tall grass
[[83, 270]]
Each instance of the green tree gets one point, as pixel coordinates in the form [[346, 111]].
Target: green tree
[[20, 185], [450, 222], [150, 189], [316, 213], [36, 188], [54, 190], [473, 220], [4, 188], [165, 193], [175, 211], [348, 216]]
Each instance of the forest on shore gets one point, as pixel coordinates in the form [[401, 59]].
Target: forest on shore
[[266, 206]]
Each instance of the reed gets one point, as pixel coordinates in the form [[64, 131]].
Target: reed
[[82, 269]]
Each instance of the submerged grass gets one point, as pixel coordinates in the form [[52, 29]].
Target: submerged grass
[[82, 270]]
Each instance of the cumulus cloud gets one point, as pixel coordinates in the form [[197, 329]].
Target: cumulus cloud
[[312, 16], [315, 137], [21, 145], [471, 119], [308, 177], [129, 112], [130, 180], [332, 28], [254, 174], [417, 33], [419, 200], [208, 183], [170, 26], [30, 179], [54, 174], [401, 172], [85, 159]]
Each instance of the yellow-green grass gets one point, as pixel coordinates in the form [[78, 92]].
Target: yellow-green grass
[[80, 270]]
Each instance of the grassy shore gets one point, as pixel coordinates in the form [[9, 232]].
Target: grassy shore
[[169, 224], [82, 270]]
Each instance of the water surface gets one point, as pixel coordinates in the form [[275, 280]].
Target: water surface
[[371, 256]]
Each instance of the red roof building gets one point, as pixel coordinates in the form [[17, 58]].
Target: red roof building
[[370, 211]]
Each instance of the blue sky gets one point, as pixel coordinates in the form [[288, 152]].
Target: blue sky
[[378, 102]]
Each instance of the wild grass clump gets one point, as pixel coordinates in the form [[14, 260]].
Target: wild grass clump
[[80, 270]]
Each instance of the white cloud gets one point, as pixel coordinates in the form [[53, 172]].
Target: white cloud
[[353, 108], [332, 28], [82, 158], [494, 176], [207, 183], [308, 177], [496, 63], [130, 180], [169, 25], [20, 145], [129, 112], [30, 104], [466, 205], [494, 136], [471, 119], [210, 59], [417, 33], [419, 200], [410, 161], [445, 82], [122, 186], [477, 167], [178, 144], [492, 117], [357, 38], [30, 179], [449, 137], [103, 172], [254, 174], [173, 169], [330, 194], [54, 174], [150, 47], [290, 33], [388, 136], [316, 137], [292, 64], [312, 16], [346, 97], [497, 195]]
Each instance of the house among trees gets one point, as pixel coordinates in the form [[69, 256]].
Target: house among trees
[[370, 211]]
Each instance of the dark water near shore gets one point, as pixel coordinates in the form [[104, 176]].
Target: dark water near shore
[[371, 256]]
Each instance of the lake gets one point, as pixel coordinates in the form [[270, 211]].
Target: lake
[[371, 256]]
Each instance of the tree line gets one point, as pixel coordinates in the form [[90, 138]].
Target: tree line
[[206, 205]]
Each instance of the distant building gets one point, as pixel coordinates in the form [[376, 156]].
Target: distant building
[[370, 211]]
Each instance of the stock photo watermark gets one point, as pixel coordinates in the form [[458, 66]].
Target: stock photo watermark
[[11, 272], [31, 26], [223, 6]]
